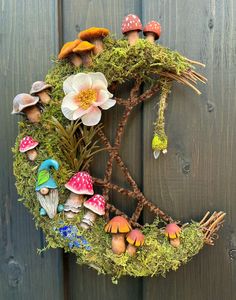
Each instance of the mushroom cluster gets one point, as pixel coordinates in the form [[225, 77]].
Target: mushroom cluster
[[120, 229], [31, 104], [79, 52], [131, 27], [81, 185]]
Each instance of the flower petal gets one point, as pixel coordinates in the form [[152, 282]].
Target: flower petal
[[102, 97], [98, 76], [81, 81], [108, 104], [80, 112], [99, 85], [92, 118], [68, 106], [67, 85]]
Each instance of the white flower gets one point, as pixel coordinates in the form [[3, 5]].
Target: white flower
[[84, 93]]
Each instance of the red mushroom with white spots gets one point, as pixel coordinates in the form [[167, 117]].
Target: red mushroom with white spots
[[131, 26], [96, 206], [80, 184], [28, 145], [152, 31]]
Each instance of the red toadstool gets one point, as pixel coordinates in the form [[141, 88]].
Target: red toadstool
[[152, 31], [28, 145], [131, 26], [27, 104], [40, 89], [96, 206], [80, 184], [172, 231], [94, 35], [135, 238], [67, 52], [118, 226]]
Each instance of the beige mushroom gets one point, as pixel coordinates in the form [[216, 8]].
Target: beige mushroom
[[27, 104]]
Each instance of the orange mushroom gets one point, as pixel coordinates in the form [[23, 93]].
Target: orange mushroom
[[172, 231], [67, 51], [84, 50], [95, 35], [118, 227], [135, 238]]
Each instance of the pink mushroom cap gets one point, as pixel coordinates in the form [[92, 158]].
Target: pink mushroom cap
[[81, 184], [172, 231], [131, 23], [153, 27], [27, 143], [96, 204]]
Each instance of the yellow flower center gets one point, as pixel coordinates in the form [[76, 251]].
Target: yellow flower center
[[85, 98]]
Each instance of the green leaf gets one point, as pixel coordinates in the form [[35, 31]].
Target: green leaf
[[43, 177]]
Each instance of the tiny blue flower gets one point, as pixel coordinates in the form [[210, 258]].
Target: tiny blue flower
[[71, 245], [77, 244]]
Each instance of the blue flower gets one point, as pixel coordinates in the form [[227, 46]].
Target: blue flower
[[70, 233]]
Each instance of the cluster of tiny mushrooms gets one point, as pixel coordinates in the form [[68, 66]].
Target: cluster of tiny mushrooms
[[79, 52]]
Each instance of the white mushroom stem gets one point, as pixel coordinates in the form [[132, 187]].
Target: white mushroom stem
[[44, 97], [31, 154], [150, 36], [118, 243], [73, 205], [132, 37], [175, 242], [33, 114], [88, 219], [76, 199], [131, 250], [70, 214], [99, 46], [76, 60], [86, 58]]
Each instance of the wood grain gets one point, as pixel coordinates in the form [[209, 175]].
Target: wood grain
[[198, 172], [28, 36], [78, 15]]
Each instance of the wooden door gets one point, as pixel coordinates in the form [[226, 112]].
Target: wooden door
[[199, 172]]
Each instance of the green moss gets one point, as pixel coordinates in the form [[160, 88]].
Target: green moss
[[159, 142], [119, 63]]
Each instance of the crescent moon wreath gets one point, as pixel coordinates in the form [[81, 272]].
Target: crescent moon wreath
[[64, 129]]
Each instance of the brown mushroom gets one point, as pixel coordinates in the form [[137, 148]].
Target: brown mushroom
[[172, 231], [135, 238], [152, 31], [67, 52], [118, 226], [40, 89], [27, 104], [84, 50], [94, 35], [131, 26]]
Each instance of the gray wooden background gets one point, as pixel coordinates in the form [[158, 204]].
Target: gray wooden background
[[199, 172]]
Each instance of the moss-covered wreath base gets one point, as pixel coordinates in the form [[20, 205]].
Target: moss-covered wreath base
[[151, 64]]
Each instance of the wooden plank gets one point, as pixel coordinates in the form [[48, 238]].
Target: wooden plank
[[78, 15], [198, 172], [28, 33]]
